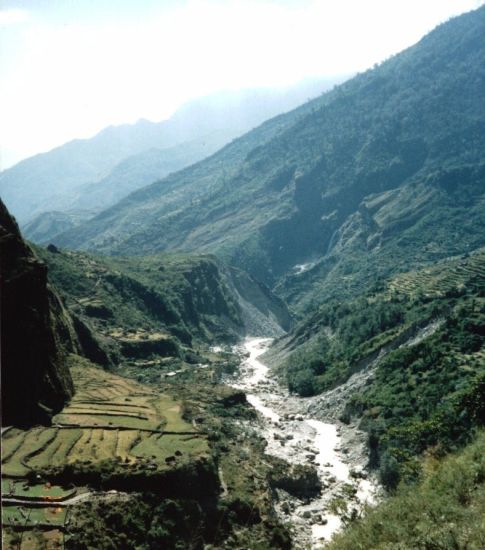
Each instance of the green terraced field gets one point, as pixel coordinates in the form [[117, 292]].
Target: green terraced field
[[51, 515], [106, 400], [11, 442], [110, 402], [29, 516], [34, 440], [56, 452], [52, 539], [127, 439], [441, 278], [159, 448]]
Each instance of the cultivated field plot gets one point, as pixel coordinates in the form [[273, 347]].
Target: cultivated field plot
[[18, 446], [14, 488], [110, 417], [439, 279], [23, 515], [109, 401], [52, 539], [167, 447]]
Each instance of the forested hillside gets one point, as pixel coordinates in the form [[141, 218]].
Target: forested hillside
[[382, 172], [160, 306], [279, 346]]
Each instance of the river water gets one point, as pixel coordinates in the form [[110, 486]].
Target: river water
[[295, 436]]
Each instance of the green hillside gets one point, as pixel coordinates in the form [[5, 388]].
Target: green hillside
[[364, 211], [91, 174], [381, 174], [415, 342], [143, 475], [144, 307], [446, 510]]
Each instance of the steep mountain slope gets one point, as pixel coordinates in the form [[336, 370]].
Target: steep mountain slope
[[145, 168], [36, 334], [164, 305], [383, 171], [56, 180], [192, 188], [133, 172], [404, 362], [452, 489], [48, 224]]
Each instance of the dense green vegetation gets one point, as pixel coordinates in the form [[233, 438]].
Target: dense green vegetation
[[342, 337], [424, 396], [184, 295], [169, 482], [429, 394], [445, 510], [365, 210]]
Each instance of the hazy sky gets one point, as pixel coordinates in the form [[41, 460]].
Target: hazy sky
[[68, 68]]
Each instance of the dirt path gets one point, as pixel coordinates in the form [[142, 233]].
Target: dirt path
[[41, 503]]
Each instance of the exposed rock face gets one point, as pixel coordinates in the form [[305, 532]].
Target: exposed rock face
[[262, 312], [36, 334]]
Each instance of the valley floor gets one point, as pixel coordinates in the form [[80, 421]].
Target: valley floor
[[294, 435]]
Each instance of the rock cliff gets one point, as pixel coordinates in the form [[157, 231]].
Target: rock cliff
[[36, 334]]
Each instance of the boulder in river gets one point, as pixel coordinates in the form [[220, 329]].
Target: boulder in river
[[299, 480]]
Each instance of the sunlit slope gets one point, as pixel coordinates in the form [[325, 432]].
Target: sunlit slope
[[153, 307], [444, 511], [403, 362]]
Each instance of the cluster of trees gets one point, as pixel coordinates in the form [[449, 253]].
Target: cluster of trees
[[348, 332], [425, 396]]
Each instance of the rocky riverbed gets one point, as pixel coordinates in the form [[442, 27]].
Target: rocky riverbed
[[302, 434]]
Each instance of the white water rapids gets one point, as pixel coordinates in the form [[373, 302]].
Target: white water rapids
[[293, 435]]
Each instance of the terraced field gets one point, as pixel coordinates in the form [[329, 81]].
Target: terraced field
[[51, 539], [19, 515], [109, 418], [13, 488], [15, 455], [444, 277]]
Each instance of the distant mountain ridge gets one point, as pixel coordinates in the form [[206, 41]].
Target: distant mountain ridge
[[383, 173], [63, 178]]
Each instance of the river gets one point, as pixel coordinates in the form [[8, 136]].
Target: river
[[293, 434]]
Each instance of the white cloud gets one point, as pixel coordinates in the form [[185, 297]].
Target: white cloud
[[13, 16]]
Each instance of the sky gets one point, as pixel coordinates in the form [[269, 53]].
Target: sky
[[69, 68]]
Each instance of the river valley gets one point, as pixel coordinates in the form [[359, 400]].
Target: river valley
[[299, 436]]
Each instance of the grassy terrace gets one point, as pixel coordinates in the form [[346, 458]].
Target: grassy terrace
[[14, 488], [109, 418], [53, 539], [24, 516]]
